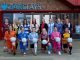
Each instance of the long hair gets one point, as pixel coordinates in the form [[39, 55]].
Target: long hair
[[33, 22], [24, 21]]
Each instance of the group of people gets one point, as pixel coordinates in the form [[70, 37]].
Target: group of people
[[54, 37]]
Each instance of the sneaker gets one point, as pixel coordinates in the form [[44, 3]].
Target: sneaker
[[70, 53], [49, 52], [59, 53]]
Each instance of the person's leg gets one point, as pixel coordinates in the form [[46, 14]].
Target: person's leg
[[24, 49], [27, 46], [70, 48], [43, 47], [32, 48], [35, 48], [59, 48], [14, 50], [21, 47], [49, 48], [55, 46], [65, 48]]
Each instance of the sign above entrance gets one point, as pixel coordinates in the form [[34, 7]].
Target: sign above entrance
[[34, 6]]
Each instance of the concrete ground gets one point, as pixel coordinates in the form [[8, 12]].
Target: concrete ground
[[75, 54]]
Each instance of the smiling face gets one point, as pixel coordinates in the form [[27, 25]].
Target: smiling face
[[6, 20], [58, 20], [66, 30], [43, 20], [50, 20], [22, 29], [10, 28], [24, 21], [34, 21], [33, 30], [67, 21], [55, 29]]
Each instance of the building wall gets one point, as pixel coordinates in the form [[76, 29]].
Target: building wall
[[46, 4]]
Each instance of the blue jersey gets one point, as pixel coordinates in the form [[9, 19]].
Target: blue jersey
[[59, 27], [26, 28], [50, 28], [22, 35], [33, 35]]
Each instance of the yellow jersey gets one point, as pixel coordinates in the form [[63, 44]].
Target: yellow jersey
[[65, 37]]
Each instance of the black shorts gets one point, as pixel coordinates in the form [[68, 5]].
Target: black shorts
[[65, 45], [31, 45]]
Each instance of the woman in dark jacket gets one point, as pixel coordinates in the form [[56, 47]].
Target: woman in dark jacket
[[68, 25], [43, 25]]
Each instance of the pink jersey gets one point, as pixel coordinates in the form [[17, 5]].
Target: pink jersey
[[55, 45], [55, 34]]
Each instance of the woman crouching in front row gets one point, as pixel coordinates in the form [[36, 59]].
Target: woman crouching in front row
[[67, 41]]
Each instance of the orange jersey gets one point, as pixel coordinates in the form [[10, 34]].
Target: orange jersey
[[12, 33], [7, 38]]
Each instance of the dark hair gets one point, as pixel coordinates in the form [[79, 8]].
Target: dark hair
[[24, 21]]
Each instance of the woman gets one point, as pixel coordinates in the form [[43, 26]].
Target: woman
[[8, 35], [23, 38], [43, 25], [34, 24], [59, 26], [8, 44], [50, 27], [33, 37], [44, 36], [65, 42], [56, 44], [68, 25], [26, 28], [5, 25]]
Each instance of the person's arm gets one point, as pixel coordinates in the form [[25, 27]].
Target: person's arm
[[40, 37], [19, 37], [52, 37], [46, 26], [48, 39], [40, 28]]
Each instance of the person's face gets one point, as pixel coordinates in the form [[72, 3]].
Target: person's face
[[25, 21], [50, 20], [55, 29], [58, 20], [6, 20], [43, 21], [34, 20], [22, 29], [10, 28], [67, 21], [66, 30], [34, 30]]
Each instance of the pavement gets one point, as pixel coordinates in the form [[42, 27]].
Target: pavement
[[42, 56]]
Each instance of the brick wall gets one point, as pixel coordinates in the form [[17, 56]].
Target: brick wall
[[46, 4]]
